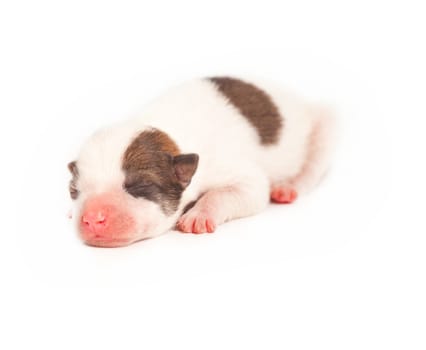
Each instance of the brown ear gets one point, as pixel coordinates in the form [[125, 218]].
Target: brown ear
[[72, 167], [185, 166]]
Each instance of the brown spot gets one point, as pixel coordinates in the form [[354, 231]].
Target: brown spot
[[155, 171], [254, 104], [152, 140], [72, 167]]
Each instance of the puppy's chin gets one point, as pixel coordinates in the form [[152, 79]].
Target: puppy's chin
[[108, 243], [113, 242]]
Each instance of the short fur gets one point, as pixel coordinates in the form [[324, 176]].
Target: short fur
[[237, 166], [254, 104], [148, 164]]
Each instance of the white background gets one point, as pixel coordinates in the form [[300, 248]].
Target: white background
[[343, 268]]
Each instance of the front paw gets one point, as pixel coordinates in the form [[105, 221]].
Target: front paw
[[196, 222]]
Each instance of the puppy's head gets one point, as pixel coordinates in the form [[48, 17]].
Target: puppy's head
[[127, 185]]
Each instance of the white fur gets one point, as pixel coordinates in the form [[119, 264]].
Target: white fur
[[198, 118], [100, 170]]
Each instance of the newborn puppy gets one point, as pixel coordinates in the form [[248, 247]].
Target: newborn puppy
[[206, 152]]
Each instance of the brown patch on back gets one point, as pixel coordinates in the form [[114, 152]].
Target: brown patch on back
[[254, 104], [150, 167]]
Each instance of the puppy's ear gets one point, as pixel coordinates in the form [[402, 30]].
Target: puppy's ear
[[72, 167], [185, 166]]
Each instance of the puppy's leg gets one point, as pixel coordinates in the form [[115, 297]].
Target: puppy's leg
[[225, 203], [316, 163]]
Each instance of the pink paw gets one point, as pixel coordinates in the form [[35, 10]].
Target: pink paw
[[196, 223], [284, 195]]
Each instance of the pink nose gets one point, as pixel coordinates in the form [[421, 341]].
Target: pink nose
[[94, 221]]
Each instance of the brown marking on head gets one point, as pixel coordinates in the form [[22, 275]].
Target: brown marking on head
[[254, 104], [155, 170], [72, 167]]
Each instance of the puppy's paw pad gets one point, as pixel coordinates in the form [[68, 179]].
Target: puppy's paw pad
[[283, 195], [200, 223]]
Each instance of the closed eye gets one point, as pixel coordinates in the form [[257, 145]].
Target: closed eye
[[141, 189]]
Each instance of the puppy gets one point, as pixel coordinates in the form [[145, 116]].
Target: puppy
[[206, 152]]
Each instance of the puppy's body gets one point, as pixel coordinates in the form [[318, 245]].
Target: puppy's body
[[254, 143]]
